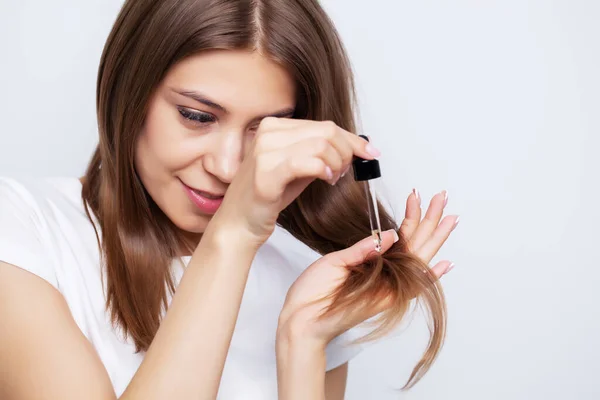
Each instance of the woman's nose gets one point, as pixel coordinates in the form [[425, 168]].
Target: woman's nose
[[225, 157]]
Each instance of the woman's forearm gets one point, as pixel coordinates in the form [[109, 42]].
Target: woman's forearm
[[301, 365], [186, 358]]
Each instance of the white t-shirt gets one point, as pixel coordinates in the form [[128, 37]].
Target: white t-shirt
[[44, 229]]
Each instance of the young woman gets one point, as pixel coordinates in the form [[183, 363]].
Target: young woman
[[186, 263]]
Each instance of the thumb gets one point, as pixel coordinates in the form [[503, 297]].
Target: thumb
[[362, 250]]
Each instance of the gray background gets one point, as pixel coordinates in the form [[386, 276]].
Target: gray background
[[495, 101]]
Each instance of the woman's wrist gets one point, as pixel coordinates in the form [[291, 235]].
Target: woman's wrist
[[294, 331], [227, 235], [301, 364]]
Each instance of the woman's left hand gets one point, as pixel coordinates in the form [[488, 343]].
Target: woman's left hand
[[321, 278]]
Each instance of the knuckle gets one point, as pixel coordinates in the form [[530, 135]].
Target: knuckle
[[267, 123], [293, 164], [321, 145], [329, 129]]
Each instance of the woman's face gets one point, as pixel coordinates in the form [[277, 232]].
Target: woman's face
[[200, 123]]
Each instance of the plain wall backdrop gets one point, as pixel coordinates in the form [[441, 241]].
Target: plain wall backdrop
[[496, 101]]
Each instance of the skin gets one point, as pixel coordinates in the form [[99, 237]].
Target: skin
[[265, 161], [302, 339], [245, 88]]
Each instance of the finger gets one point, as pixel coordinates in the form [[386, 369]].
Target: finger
[[293, 156], [338, 138], [291, 143], [439, 236], [275, 171], [362, 250], [295, 130], [360, 147], [348, 143], [336, 152], [442, 268], [412, 215], [273, 123], [430, 222], [297, 170]]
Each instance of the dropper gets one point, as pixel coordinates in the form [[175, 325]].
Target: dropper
[[365, 171]]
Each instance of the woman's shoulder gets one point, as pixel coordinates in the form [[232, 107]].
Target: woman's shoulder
[[33, 192], [40, 219], [39, 202]]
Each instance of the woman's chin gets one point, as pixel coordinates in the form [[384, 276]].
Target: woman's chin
[[194, 224]]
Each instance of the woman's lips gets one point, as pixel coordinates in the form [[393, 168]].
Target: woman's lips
[[207, 202]]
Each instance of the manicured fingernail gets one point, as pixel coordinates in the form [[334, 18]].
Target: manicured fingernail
[[456, 222], [449, 268], [329, 173], [345, 171], [396, 237], [372, 150], [417, 195], [445, 197]]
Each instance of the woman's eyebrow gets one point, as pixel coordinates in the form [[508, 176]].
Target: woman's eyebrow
[[201, 98]]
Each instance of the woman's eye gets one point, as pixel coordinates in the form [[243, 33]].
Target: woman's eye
[[199, 117]]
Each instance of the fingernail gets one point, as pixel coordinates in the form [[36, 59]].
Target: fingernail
[[329, 173], [372, 150], [449, 268], [396, 237], [345, 171], [445, 197], [417, 195], [456, 222]]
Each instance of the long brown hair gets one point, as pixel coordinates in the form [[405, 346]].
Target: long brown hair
[[138, 241]]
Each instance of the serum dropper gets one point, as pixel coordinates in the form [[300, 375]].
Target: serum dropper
[[365, 171]]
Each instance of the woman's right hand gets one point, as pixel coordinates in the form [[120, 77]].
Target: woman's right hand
[[285, 157]]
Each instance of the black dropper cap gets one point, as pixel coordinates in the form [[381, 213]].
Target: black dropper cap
[[365, 170]]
